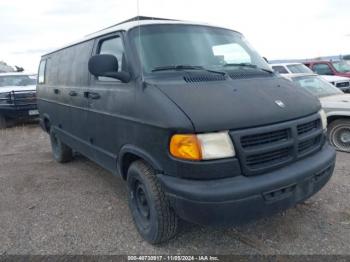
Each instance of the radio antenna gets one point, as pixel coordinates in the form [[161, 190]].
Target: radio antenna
[[139, 29]]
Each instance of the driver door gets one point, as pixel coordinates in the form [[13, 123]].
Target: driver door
[[108, 101]]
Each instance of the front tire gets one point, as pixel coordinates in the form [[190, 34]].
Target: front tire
[[155, 220], [339, 134], [61, 152]]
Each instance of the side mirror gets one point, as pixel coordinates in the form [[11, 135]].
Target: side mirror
[[107, 66]]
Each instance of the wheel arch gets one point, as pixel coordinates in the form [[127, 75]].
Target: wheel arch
[[45, 123], [332, 118], [130, 153]]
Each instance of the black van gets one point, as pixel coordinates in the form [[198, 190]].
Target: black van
[[191, 117]]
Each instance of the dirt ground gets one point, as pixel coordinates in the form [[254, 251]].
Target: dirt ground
[[79, 208]]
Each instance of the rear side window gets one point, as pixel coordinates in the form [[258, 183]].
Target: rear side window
[[280, 69], [299, 68], [322, 69], [41, 74]]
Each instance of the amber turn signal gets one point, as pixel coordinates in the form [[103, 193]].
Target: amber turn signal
[[185, 146], [207, 146]]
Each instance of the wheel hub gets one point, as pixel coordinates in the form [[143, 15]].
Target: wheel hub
[[345, 136], [141, 202], [341, 138]]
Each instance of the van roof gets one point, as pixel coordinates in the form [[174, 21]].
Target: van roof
[[132, 23]]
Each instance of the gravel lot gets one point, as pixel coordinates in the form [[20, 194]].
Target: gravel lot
[[79, 208]]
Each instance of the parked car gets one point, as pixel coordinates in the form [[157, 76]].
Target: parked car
[[343, 83], [335, 103], [338, 68], [290, 68], [17, 97], [191, 117]]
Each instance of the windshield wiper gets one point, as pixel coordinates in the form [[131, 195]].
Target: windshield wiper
[[248, 65], [186, 67]]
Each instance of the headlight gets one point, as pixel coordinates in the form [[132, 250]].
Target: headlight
[[202, 146], [323, 116], [4, 98]]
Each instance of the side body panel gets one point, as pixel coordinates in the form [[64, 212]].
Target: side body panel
[[61, 98], [133, 114]]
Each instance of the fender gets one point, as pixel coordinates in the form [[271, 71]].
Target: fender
[[338, 113], [131, 149]]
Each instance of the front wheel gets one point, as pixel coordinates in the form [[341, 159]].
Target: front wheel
[[339, 134], [61, 152], [154, 218]]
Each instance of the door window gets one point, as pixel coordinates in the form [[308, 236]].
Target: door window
[[113, 46], [41, 76], [280, 69], [322, 69]]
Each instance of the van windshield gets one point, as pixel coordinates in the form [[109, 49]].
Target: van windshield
[[185, 46]]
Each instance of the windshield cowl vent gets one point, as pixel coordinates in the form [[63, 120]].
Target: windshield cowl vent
[[204, 78], [243, 74]]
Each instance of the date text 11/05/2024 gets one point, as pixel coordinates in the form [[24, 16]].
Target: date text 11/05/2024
[[173, 258]]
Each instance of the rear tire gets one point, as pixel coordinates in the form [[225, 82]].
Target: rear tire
[[61, 152], [155, 220], [3, 122], [339, 134]]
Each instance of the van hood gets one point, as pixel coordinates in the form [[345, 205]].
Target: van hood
[[4, 89], [235, 104], [341, 101]]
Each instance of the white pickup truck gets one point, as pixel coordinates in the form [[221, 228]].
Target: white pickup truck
[[334, 102], [17, 97], [343, 83]]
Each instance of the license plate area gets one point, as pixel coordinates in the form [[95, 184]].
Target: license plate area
[[33, 112]]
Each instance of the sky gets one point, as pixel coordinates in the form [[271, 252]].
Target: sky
[[278, 29]]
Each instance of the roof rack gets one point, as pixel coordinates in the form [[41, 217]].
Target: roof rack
[[136, 18]]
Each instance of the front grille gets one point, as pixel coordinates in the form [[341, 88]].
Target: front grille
[[264, 138], [308, 127], [269, 158], [343, 84], [20, 98], [266, 148], [308, 144]]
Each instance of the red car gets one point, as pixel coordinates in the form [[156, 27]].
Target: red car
[[338, 68]]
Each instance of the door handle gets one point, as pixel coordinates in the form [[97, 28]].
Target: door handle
[[56, 91], [92, 95], [73, 93]]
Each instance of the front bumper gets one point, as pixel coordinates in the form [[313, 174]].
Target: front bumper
[[237, 199], [18, 111]]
